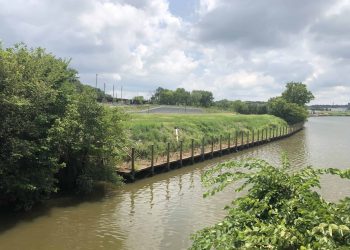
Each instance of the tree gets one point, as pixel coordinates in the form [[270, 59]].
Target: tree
[[156, 96], [202, 98], [182, 96], [290, 112], [138, 100], [49, 124], [281, 209], [88, 139], [291, 105], [296, 92]]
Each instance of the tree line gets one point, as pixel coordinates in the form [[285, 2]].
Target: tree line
[[180, 96]]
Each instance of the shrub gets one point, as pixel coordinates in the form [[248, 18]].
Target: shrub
[[281, 210]]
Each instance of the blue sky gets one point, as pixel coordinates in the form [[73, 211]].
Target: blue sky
[[245, 50]]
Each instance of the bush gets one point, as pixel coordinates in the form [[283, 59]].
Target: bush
[[52, 129], [290, 112], [281, 210]]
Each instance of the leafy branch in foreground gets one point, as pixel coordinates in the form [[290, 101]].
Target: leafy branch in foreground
[[281, 209]]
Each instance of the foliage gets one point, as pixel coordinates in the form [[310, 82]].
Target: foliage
[[291, 105], [138, 100], [290, 112], [100, 95], [50, 126], [88, 138], [242, 107], [180, 96], [281, 209], [296, 92]]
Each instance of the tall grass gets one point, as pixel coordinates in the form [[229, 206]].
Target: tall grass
[[159, 129]]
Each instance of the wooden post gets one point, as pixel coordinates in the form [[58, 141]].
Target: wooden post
[[236, 139], [253, 138], [132, 164], [258, 139], [280, 131], [168, 157], [229, 142], [192, 151], [181, 153], [212, 147], [266, 134], [220, 143], [152, 159], [242, 139], [202, 149], [248, 139]]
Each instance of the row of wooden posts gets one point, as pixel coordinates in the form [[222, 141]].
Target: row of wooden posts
[[262, 136]]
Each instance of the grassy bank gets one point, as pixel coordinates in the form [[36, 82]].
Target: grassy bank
[[158, 129], [331, 113]]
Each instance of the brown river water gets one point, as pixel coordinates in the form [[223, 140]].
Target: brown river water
[[161, 212]]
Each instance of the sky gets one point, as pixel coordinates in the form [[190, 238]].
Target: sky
[[237, 49]]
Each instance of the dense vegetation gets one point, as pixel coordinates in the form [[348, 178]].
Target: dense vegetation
[[242, 107], [281, 209], [291, 106], [180, 96], [53, 133], [158, 129]]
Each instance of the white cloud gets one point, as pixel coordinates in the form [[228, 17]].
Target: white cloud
[[236, 49]]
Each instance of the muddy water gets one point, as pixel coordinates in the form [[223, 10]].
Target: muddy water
[[161, 212]]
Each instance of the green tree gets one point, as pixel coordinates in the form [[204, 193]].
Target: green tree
[[290, 112], [88, 139], [48, 125], [281, 209], [182, 96], [297, 92], [291, 105], [138, 100], [202, 98]]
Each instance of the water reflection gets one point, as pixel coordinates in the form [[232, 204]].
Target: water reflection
[[161, 212]]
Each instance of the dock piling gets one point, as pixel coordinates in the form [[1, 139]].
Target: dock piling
[[168, 157], [132, 164], [181, 153], [192, 151], [152, 159]]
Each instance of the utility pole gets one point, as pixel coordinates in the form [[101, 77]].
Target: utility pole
[[96, 80], [116, 92], [113, 94], [121, 93], [104, 88]]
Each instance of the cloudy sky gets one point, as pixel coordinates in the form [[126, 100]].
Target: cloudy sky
[[238, 49]]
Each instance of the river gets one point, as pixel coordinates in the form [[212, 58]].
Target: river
[[161, 212]]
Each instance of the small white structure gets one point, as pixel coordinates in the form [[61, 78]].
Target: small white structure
[[177, 134]]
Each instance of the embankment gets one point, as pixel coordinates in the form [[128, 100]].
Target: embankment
[[154, 137]]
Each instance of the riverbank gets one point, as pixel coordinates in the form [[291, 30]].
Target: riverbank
[[148, 129], [239, 142], [156, 137], [330, 113]]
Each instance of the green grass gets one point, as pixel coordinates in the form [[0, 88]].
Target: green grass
[[158, 129]]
